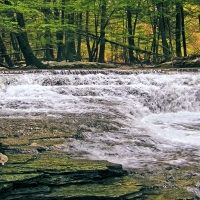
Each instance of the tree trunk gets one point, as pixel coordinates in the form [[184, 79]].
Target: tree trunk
[[124, 40], [79, 24], [59, 37], [70, 41], [199, 21], [87, 37], [183, 32], [130, 34], [49, 54], [4, 53], [92, 52], [102, 32], [178, 30], [154, 42], [24, 45], [95, 44], [27, 52], [59, 34], [164, 39], [163, 32], [15, 47]]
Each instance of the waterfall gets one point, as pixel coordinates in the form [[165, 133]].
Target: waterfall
[[149, 114]]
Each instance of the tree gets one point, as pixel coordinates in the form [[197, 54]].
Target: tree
[[130, 32], [79, 38], [199, 20], [161, 6], [70, 39], [183, 31], [178, 30], [132, 28], [22, 38], [102, 30], [46, 10], [3, 51], [24, 45]]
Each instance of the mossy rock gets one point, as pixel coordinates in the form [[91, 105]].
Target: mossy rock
[[63, 178], [59, 162], [171, 194], [79, 65], [10, 178], [48, 142], [15, 141], [110, 188]]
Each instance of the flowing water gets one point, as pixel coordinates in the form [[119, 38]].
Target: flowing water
[[135, 118]]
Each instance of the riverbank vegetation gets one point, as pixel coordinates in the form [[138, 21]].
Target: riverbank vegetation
[[126, 31]]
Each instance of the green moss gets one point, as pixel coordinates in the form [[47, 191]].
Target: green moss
[[15, 141], [55, 134], [60, 162], [5, 178], [16, 169], [113, 188], [170, 184], [19, 158], [49, 142], [173, 194], [34, 129], [80, 65], [53, 161]]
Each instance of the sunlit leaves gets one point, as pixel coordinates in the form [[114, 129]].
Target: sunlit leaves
[[42, 16]]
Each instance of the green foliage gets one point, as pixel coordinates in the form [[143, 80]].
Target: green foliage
[[42, 17]]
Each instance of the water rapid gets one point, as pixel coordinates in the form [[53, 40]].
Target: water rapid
[[135, 118]]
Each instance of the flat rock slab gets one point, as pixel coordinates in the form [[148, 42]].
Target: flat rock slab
[[48, 176]]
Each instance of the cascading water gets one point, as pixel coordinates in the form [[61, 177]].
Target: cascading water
[[150, 117]]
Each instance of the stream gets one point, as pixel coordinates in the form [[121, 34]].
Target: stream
[[134, 118]]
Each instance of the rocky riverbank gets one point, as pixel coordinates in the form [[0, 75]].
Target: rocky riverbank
[[192, 61], [188, 62], [35, 170]]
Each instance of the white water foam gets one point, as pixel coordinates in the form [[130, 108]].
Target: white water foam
[[181, 127], [158, 112]]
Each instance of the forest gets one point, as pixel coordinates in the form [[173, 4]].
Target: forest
[[117, 31]]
